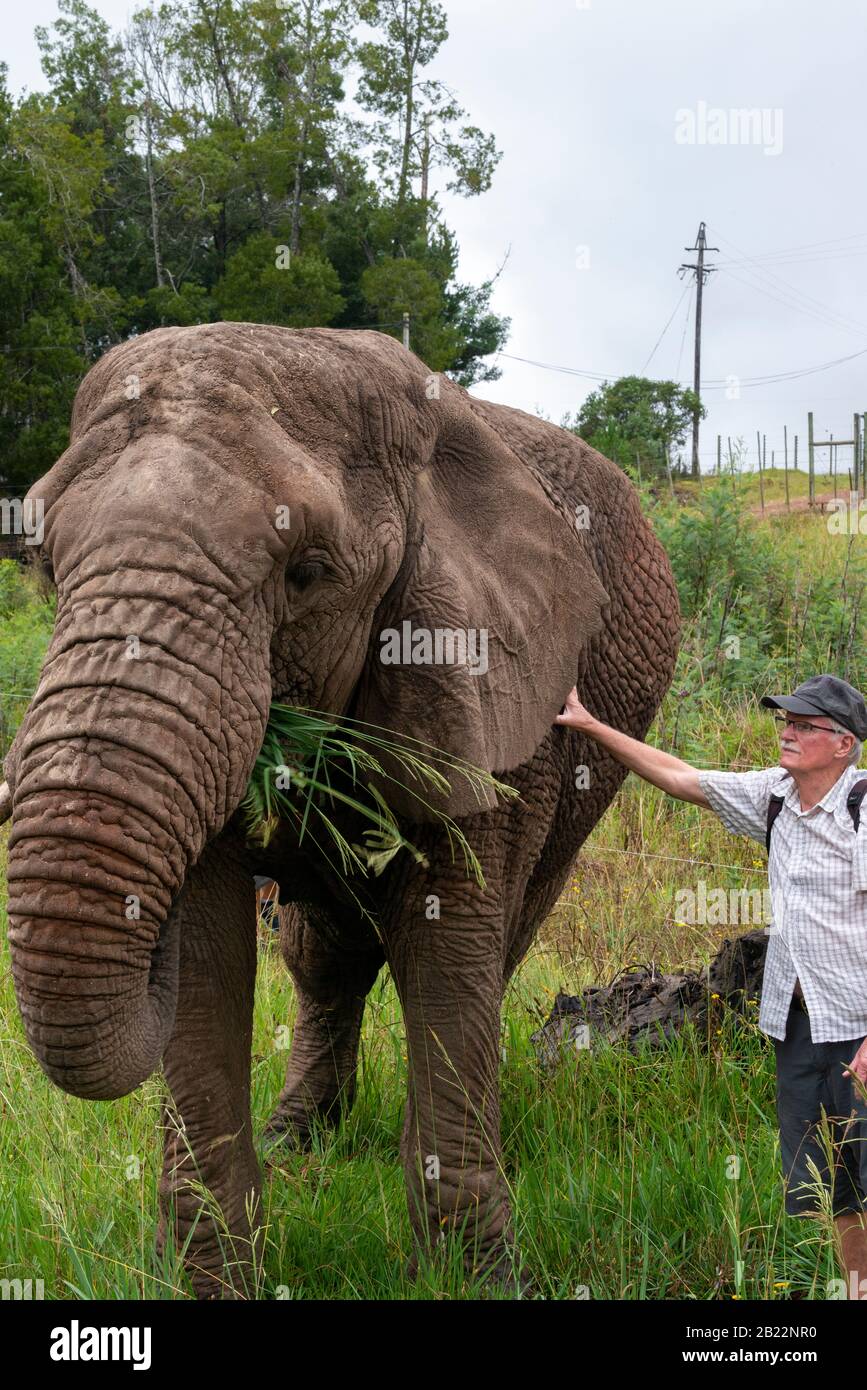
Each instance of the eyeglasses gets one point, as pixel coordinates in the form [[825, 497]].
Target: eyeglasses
[[801, 727]]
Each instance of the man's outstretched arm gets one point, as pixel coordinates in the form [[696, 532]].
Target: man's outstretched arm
[[662, 769]]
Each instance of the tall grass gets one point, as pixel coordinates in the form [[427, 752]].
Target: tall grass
[[26, 621], [616, 1167]]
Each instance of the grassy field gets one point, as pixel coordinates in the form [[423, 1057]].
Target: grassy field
[[749, 489], [617, 1164]]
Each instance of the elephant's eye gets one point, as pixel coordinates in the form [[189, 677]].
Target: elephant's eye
[[306, 573]]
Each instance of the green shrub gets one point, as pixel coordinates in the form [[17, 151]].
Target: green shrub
[[764, 602], [26, 623]]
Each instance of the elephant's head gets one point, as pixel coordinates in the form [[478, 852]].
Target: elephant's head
[[248, 513]]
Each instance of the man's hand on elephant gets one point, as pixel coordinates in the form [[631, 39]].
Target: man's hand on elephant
[[574, 714], [672, 774]]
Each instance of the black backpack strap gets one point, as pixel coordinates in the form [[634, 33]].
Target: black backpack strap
[[774, 808], [854, 799], [853, 806]]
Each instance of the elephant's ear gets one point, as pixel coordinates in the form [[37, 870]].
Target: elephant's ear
[[478, 641]]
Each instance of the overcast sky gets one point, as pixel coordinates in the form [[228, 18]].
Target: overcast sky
[[618, 122]]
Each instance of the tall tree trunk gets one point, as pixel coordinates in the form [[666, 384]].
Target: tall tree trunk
[[220, 60], [155, 223], [425, 173], [343, 192], [407, 146], [295, 237], [221, 240], [411, 47], [309, 86]]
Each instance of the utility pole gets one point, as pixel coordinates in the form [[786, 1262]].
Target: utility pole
[[701, 272]]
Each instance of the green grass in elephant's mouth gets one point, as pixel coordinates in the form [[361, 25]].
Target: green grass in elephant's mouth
[[306, 762]]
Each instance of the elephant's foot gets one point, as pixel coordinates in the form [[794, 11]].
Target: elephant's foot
[[218, 1271], [283, 1133], [303, 1108], [320, 1082], [218, 1240], [498, 1274]]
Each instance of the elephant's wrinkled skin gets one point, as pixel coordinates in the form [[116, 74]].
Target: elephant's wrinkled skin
[[185, 605]]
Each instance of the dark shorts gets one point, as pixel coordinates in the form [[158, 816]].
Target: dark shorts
[[809, 1077]]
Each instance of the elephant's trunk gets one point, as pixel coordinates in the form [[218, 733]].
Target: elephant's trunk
[[122, 771], [94, 949]]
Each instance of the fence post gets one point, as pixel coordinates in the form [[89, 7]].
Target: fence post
[[834, 468], [761, 479]]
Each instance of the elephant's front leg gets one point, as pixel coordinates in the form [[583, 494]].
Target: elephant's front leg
[[208, 1138], [331, 988], [449, 977]]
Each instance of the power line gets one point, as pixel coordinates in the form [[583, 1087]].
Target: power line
[[771, 292], [683, 334], [685, 291], [807, 246], [778, 283], [794, 375], [570, 371], [711, 384], [794, 260]]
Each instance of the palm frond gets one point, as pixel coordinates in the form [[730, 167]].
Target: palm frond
[[292, 782]]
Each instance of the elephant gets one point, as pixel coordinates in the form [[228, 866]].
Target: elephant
[[185, 605]]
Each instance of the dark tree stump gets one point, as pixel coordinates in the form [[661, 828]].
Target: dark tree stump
[[644, 1003]]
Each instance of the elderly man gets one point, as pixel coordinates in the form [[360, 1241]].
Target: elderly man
[[814, 995]]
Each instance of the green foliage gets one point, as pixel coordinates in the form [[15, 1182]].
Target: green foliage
[[255, 289], [393, 288], [153, 180], [42, 361], [636, 419], [764, 602], [309, 764], [26, 624], [469, 308], [418, 120], [187, 305]]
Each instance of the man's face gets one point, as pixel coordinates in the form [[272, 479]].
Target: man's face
[[809, 744]]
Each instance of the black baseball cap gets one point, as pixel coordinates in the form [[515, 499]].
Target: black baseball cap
[[827, 695]]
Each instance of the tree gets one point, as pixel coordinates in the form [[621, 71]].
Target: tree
[[42, 359], [264, 284], [156, 177], [417, 116], [636, 420], [306, 49]]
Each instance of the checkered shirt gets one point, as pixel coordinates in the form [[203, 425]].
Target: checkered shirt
[[818, 880]]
